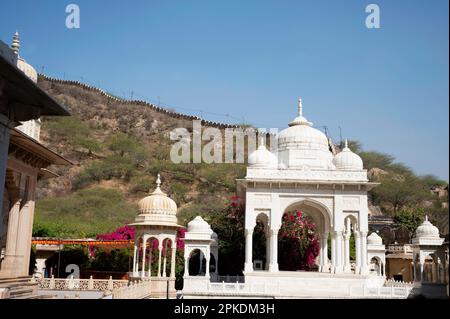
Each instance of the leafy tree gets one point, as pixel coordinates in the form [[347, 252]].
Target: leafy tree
[[90, 144], [399, 191], [112, 260], [431, 180], [77, 255], [376, 159], [122, 144], [409, 218], [75, 131]]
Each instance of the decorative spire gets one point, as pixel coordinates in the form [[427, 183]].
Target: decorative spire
[[158, 181], [15, 45], [158, 185], [300, 120], [300, 107], [426, 218], [346, 143]]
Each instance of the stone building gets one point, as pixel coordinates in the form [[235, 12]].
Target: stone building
[[23, 160]]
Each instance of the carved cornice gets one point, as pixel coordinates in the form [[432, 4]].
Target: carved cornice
[[307, 175], [27, 157]]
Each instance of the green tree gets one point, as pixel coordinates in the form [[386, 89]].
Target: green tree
[[122, 144], [376, 159], [399, 191], [409, 218], [69, 255]]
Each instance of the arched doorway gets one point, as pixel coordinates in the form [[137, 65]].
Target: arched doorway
[[351, 253], [151, 256], [196, 263], [375, 266], [303, 237]]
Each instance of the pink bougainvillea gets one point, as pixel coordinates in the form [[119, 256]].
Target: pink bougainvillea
[[298, 241], [122, 233]]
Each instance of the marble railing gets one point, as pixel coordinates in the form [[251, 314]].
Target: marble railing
[[237, 288], [79, 284], [391, 292], [395, 283], [135, 290], [228, 278]]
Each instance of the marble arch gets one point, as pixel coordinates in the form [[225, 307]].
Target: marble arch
[[320, 213]]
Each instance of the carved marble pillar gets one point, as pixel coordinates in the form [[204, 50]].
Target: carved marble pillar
[[347, 267], [364, 261], [333, 252], [339, 253], [273, 265], [357, 252], [324, 266], [248, 267], [187, 254], [159, 256], [134, 258], [173, 259], [144, 248], [208, 258], [165, 260]]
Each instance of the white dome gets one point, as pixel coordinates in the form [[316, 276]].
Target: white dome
[[347, 160], [157, 208], [427, 230], [262, 158], [27, 69], [199, 225], [374, 239], [302, 146]]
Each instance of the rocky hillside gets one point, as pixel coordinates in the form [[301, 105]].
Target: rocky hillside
[[119, 146]]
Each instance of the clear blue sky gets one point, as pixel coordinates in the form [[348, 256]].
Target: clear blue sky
[[387, 88]]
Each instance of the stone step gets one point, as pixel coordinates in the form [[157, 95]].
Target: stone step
[[14, 280], [17, 292], [19, 284], [32, 296]]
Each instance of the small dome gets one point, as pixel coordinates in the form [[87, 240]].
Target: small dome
[[262, 158], [302, 146], [157, 208], [347, 160], [199, 225], [427, 230], [27, 69], [214, 236], [374, 239]]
